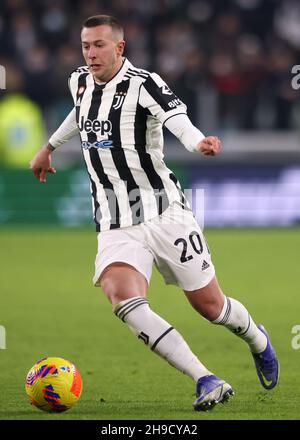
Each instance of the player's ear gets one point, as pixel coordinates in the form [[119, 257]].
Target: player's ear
[[120, 47]]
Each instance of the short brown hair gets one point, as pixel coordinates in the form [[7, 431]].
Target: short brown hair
[[98, 20]]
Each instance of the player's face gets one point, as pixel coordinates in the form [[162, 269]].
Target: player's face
[[102, 49]]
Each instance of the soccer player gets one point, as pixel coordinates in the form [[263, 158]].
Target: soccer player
[[140, 212]]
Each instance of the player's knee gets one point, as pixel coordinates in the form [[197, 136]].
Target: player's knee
[[108, 286], [119, 285], [113, 289]]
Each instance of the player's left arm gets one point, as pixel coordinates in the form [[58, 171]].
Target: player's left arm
[[209, 146], [158, 98], [192, 138]]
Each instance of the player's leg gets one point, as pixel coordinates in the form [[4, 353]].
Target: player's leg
[[171, 243], [126, 289], [123, 270], [183, 258], [120, 282], [212, 304]]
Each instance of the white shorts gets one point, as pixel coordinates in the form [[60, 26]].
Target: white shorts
[[173, 241]]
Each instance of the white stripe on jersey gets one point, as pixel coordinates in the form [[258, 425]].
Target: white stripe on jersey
[[101, 217], [120, 126], [119, 186], [127, 121]]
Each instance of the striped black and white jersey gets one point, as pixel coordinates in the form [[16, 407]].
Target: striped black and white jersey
[[120, 125]]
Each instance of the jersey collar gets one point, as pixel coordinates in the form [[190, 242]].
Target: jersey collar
[[119, 75]]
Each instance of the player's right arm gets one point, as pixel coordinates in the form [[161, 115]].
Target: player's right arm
[[41, 162], [40, 165]]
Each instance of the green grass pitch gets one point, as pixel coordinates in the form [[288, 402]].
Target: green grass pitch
[[50, 308]]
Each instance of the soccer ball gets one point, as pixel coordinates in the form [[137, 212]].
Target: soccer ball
[[53, 384]]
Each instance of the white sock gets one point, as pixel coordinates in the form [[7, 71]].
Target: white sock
[[160, 336], [237, 319]]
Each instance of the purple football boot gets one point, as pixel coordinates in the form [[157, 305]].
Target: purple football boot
[[267, 365], [210, 391]]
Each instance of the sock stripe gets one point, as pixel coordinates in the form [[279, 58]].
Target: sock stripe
[[242, 334], [227, 313], [161, 337], [132, 308], [126, 308], [129, 309], [119, 309]]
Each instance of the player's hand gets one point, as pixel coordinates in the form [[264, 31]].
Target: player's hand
[[210, 146], [41, 164]]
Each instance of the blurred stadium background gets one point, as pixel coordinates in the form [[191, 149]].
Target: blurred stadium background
[[230, 62]]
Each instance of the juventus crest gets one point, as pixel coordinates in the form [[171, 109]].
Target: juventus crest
[[119, 99]]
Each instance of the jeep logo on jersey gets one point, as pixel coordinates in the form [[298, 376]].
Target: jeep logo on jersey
[[119, 99], [96, 126]]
